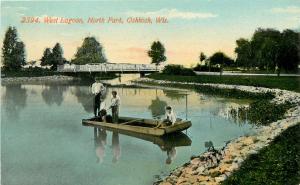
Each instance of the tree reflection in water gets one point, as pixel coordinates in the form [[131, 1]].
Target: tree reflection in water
[[157, 108], [174, 95], [14, 100], [85, 98], [54, 94]]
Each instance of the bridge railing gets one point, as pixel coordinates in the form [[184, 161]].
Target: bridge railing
[[109, 67]]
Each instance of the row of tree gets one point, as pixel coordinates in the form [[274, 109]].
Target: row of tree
[[91, 51], [268, 49], [13, 57]]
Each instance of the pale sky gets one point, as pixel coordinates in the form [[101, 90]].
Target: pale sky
[[193, 26]]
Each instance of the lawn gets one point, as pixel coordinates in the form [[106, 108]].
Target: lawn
[[282, 82]]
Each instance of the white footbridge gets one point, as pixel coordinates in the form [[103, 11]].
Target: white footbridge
[[111, 67]]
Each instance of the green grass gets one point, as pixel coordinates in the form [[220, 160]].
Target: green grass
[[276, 164], [282, 82]]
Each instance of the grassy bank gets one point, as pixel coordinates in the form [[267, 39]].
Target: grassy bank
[[275, 164], [284, 82], [220, 92]]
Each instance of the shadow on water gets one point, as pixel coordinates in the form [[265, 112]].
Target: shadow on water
[[167, 144], [14, 100], [54, 94]]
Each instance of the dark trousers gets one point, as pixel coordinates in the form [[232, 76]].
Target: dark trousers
[[115, 114], [97, 104]]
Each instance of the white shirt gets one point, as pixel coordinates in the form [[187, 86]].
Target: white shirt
[[97, 87], [115, 101], [171, 117], [103, 93]]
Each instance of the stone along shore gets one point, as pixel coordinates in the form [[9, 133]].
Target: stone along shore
[[213, 167], [38, 80]]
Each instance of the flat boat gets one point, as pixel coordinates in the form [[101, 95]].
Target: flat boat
[[139, 125]]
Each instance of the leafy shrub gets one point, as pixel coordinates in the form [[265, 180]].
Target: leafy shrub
[[261, 112], [206, 68], [264, 112], [28, 72], [178, 70]]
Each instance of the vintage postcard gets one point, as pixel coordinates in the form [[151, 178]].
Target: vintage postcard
[[141, 92]]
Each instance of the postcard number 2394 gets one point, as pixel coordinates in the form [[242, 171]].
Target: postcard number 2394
[[30, 20]]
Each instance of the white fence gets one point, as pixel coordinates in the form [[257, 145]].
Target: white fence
[[109, 67]]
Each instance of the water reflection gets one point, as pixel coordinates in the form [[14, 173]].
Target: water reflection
[[171, 153], [167, 143], [157, 108], [67, 141], [174, 95], [84, 97], [209, 145], [14, 100], [100, 143], [54, 94], [116, 147]]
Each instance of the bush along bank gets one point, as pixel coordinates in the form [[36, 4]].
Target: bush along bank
[[260, 112], [213, 167]]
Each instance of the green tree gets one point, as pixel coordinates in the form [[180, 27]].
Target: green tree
[[53, 57], [157, 53], [202, 57], [57, 56], [90, 51], [289, 48], [262, 40], [46, 60], [13, 50], [245, 55], [268, 54], [219, 58], [269, 49]]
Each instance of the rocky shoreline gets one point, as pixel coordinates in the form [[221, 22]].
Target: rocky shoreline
[[213, 167], [39, 80]]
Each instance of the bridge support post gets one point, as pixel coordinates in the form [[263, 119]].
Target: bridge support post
[[142, 74]]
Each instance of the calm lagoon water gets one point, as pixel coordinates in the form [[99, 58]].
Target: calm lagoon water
[[43, 141]]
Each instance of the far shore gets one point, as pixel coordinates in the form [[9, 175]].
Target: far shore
[[57, 79]]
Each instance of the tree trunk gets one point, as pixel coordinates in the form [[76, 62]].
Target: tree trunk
[[221, 70]]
